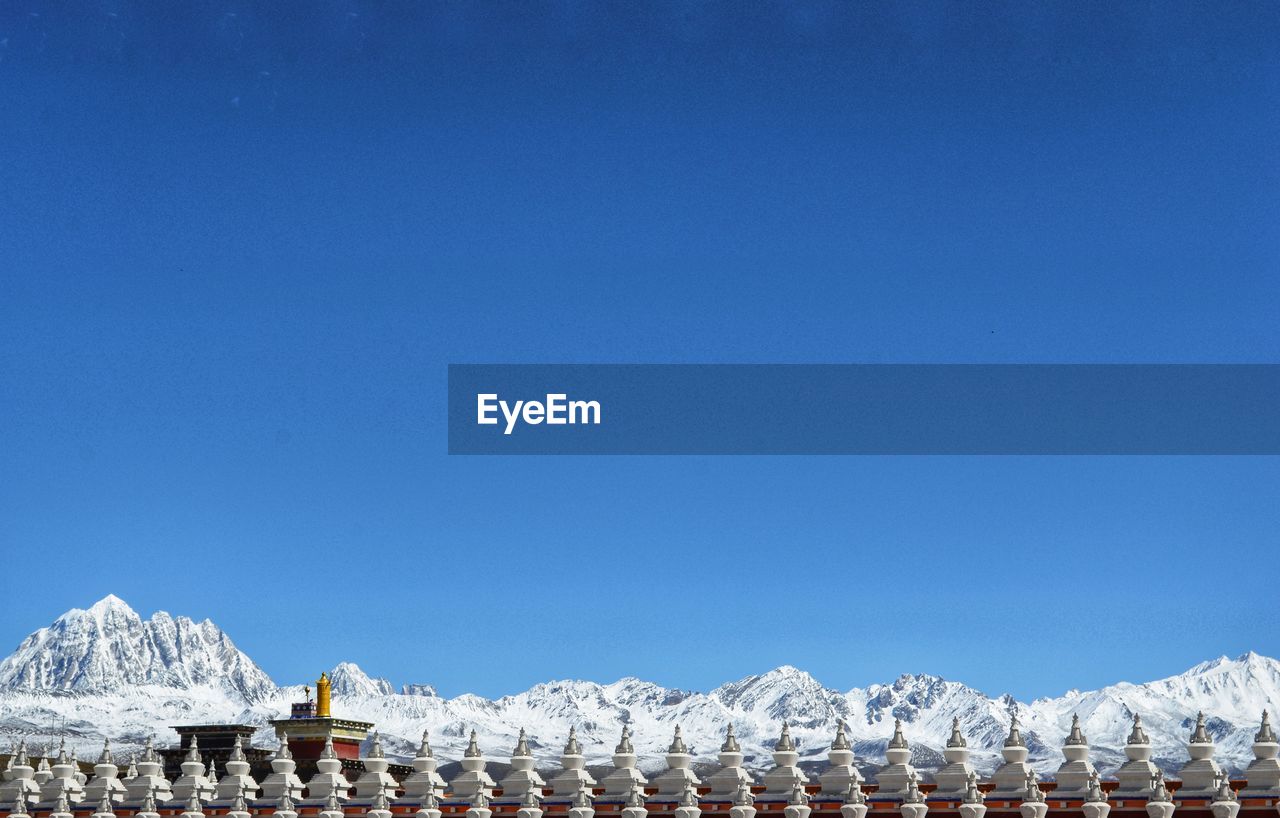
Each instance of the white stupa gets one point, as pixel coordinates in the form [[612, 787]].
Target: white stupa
[[1200, 774], [77, 773], [836, 779], [687, 806], [239, 806], [236, 779], [283, 780], [625, 776], [332, 807], [192, 782], [43, 771], [896, 776], [61, 807], [1010, 779], [582, 805], [797, 803], [106, 779], [424, 778], [726, 781], [21, 783], [1136, 774], [473, 779], [1034, 803], [1095, 800], [479, 807], [523, 779], [1073, 775], [212, 774], [531, 807], [781, 781], [376, 780], [18, 807], [105, 808], [131, 771], [194, 808], [285, 808], [328, 780], [380, 807], [971, 800], [1262, 778], [672, 782], [855, 802], [953, 779], [429, 807], [1224, 803], [63, 783], [1160, 803], [149, 778], [744, 803], [913, 801], [148, 808], [634, 806]]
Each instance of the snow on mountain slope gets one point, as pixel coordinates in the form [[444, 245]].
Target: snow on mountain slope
[[109, 648], [106, 672]]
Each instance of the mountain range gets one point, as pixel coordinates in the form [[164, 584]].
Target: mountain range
[[105, 671]]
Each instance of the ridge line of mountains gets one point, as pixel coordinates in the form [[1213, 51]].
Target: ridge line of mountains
[[106, 672]]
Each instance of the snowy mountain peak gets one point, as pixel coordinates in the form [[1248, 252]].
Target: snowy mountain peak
[[147, 674], [109, 647], [347, 679]]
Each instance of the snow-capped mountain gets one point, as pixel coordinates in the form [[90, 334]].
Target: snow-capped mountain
[[106, 672], [109, 648]]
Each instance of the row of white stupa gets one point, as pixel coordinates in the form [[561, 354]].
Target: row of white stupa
[[56, 789]]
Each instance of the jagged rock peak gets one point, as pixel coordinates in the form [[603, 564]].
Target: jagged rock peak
[[108, 647]]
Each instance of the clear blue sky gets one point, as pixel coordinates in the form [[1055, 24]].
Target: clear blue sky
[[240, 248]]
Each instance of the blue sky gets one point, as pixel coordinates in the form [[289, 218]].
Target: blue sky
[[241, 246]]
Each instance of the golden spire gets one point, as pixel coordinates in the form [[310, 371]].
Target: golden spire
[[322, 696]]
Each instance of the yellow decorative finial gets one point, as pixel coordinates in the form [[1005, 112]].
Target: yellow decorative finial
[[322, 696]]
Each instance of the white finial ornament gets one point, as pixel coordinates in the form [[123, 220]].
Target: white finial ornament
[[971, 805], [332, 809]]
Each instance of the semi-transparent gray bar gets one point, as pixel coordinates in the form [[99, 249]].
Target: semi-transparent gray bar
[[864, 409]]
